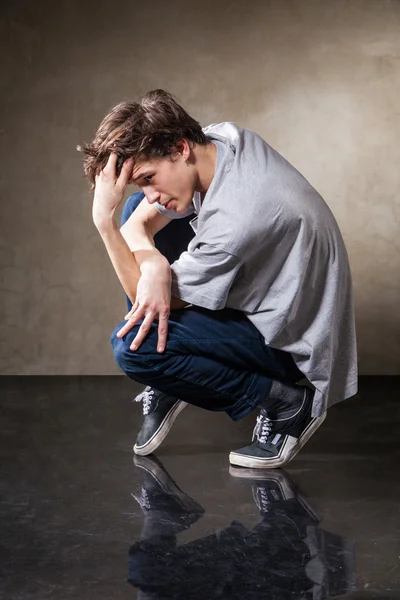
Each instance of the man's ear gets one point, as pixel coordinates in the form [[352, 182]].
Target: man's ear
[[182, 147]]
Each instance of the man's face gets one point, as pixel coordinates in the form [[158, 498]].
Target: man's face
[[169, 182]]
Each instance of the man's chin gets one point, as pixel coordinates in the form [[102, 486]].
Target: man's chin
[[180, 209]]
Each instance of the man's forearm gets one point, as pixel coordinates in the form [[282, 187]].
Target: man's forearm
[[125, 262], [150, 261], [122, 259], [141, 243]]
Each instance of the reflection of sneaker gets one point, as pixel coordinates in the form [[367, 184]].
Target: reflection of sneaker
[[292, 521], [160, 412], [279, 484], [160, 493], [278, 438], [274, 490]]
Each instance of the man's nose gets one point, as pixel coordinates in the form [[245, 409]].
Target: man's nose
[[152, 196]]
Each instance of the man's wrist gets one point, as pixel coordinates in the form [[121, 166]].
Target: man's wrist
[[152, 261], [104, 222]]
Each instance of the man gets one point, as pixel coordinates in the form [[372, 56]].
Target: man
[[256, 308]]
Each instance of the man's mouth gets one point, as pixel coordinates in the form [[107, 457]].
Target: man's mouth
[[168, 205]]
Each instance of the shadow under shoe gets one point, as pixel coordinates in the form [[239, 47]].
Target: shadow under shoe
[[280, 432], [159, 411]]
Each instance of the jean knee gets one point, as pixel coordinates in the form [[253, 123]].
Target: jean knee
[[128, 360], [120, 346]]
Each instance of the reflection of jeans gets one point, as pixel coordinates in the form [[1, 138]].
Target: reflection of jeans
[[273, 560], [236, 563], [214, 359]]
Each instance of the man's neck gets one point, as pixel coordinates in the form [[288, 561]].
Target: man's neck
[[206, 160]]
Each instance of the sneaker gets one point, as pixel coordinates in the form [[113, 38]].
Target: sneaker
[[160, 412], [276, 440]]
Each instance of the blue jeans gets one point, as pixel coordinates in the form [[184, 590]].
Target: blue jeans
[[216, 360]]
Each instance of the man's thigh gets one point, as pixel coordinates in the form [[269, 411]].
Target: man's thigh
[[225, 336]]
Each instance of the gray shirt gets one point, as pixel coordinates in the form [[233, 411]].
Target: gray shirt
[[267, 244]]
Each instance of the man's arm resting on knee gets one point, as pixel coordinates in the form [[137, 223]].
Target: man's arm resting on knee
[[138, 232], [131, 249]]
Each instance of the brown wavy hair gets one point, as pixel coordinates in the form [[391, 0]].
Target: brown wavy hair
[[146, 129]]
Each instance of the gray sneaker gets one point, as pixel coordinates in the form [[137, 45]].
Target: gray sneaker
[[160, 412]]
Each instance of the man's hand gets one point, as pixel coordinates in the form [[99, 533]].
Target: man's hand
[[153, 300], [110, 189]]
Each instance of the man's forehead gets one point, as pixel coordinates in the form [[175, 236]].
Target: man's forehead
[[142, 167], [142, 164]]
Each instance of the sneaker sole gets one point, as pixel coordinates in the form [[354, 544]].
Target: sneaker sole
[[159, 436], [290, 448]]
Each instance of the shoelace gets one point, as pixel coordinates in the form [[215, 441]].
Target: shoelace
[[262, 429], [146, 397]]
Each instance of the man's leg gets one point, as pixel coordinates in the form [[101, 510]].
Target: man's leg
[[159, 410], [217, 360]]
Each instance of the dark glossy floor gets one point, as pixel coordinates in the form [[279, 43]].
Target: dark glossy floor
[[80, 519]]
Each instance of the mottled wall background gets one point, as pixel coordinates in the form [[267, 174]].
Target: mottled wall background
[[320, 80]]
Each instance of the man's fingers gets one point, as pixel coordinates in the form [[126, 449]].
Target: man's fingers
[[133, 309], [143, 331], [133, 319], [124, 330], [126, 172], [110, 168], [135, 316], [162, 332]]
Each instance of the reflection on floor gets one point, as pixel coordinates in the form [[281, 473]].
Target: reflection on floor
[[81, 518], [285, 555]]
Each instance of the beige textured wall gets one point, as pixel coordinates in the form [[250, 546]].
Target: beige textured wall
[[319, 80]]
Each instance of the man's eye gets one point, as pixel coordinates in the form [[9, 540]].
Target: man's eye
[[148, 178]]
